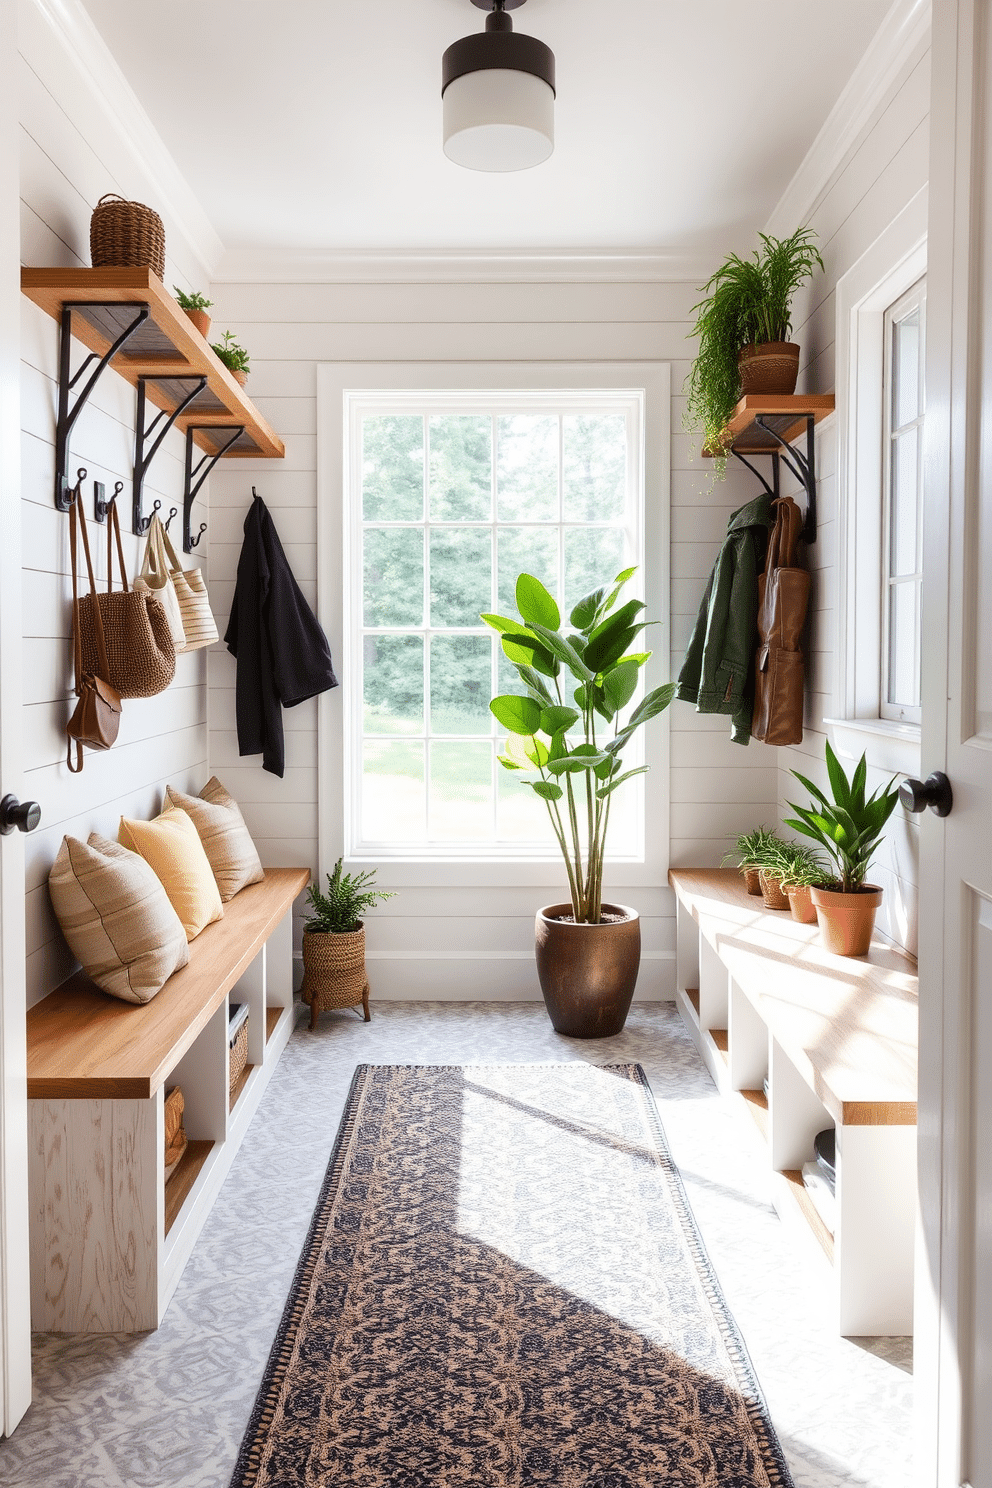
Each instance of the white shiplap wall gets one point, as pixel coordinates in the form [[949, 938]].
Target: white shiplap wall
[[717, 788], [883, 170], [69, 158]]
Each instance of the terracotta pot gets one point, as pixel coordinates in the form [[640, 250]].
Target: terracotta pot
[[769, 367], [201, 320], [846, 921], [587, 972], [771, 892], [753, 880], [800, 903], [239, 376]]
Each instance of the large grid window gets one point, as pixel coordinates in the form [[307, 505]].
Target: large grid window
[[902, 531], [451, 497]]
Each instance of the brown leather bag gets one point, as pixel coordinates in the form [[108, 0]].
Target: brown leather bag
[[783, 597], [97, 716], [139, 644]]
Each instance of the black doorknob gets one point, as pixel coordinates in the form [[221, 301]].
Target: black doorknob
[[934, 792], [22, 814]]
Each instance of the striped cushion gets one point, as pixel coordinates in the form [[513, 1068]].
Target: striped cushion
[[116, 917], [226, 840], [172, 848]]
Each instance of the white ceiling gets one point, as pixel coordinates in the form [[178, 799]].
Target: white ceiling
[[316, 124]]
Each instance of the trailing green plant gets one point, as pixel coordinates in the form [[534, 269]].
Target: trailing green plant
[[595, 668], [849, 827], [747, 300], [348, 898], [793, 865], [749, 849], [230, 353], [195, 301]]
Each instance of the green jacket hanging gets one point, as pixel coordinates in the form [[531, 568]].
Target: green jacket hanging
[[718, 671]]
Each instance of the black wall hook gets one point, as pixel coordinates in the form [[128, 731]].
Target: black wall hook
[[194, 541], [173, 513]]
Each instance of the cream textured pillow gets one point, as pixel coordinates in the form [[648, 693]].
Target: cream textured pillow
[[226, 840], [171, 847], [116, 917]]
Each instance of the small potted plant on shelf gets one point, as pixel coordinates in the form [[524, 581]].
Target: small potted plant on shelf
[[234, 357], [588, 951], [796, 870], [743, 326], [334, 942], [747, 855], [196, 307], [849, 827]]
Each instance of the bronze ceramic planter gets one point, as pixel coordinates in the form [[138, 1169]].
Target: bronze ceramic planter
[[769, 367], [587, 972]]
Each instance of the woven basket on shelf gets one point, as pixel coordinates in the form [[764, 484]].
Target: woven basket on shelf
[[126, 235], [334, 972], [239, 1058]]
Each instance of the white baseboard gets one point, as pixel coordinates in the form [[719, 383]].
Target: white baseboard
[[488, 978]]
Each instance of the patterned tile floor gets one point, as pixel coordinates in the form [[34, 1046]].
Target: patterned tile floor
[[170, 1407]]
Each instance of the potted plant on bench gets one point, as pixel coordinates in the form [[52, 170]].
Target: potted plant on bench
[[747, 855], [334, 943]]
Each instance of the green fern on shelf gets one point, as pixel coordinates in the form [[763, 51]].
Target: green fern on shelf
[[348, 898]]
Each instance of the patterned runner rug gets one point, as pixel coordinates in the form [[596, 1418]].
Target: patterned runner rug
[[503, 1287]]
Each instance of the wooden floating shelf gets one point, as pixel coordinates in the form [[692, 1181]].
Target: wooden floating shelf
[[167, 347], [786, 415]]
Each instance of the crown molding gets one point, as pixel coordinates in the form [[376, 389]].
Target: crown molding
[[444, 266], [905, 29], [70, 27]]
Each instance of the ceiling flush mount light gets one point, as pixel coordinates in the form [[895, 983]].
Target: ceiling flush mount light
[[498, 90]]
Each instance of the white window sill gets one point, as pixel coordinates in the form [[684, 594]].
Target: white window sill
[[888, 746]]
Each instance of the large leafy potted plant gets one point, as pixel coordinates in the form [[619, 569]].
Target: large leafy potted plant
[[334, 942], [849, 828], [743, 325], [568, 727]]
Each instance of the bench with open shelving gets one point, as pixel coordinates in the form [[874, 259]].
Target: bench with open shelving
[[836, 1039], [109, 1237]]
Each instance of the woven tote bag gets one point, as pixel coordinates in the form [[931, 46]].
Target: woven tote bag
[[141, 653], [155, 579], [194, 604]]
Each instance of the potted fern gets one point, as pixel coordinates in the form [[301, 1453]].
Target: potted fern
[[234, 357], [588, 951], [794, 871], [196, 306], [743, 325], [334, 942], [748, 854]]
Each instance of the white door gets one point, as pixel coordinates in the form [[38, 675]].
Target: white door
[[15, 1322], [954, 1292]]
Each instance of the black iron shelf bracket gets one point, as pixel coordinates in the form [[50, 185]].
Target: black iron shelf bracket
[[69, 412], [147, 442], [194, 478], [803, 467]]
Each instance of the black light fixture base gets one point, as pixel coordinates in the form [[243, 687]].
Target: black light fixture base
[[507, 4]]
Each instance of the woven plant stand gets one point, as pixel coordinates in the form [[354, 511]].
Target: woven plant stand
[[334, 973]]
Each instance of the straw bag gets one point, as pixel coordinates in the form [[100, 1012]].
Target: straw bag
[[96, 718], [139, 646], [155, 578], [194, 604]]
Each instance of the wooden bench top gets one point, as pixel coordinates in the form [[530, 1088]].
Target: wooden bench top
[[84, 1044], [848, 1024]]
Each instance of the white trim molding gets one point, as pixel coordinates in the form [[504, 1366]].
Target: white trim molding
[[904, 32], [464, 266]]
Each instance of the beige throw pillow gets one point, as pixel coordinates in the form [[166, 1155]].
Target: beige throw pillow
[[226, 840], [116, 917], [172, 848]]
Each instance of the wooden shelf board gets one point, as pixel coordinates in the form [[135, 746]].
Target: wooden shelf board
[[167, 345], [239, 1085], [799, 1191], [179, 1185], [786, 415], [272, 1016], [692, 993], [757, 1103], [721, 1042]]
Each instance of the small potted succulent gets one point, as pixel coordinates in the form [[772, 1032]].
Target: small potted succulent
[[849, 827], [743, 325], [334, 942], [748, 853], [234, 357], [196, 307], [797, 870]]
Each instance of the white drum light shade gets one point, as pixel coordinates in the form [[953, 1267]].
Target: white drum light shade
[[498, 92]]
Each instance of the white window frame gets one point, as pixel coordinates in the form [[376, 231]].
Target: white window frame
[[891, 266], [340, 387], [912, 298]]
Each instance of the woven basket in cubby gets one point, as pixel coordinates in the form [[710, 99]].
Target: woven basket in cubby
[[334, 972]]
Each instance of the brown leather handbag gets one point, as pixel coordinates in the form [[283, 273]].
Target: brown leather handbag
[[783, 597], [139, 645], [97, 716]]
